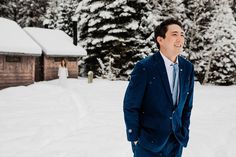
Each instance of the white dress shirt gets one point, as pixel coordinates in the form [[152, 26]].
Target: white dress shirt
[[169, 70]]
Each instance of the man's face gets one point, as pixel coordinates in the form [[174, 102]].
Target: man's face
[[174, 40]]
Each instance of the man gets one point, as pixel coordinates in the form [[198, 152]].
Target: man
[[158, 99]]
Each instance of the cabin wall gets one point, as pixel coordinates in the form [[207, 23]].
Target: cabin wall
[[16, 70], [51, 65]]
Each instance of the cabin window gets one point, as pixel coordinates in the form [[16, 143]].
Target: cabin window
[[13, 59]]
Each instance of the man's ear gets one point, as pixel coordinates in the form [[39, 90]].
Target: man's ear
[[159, 39]]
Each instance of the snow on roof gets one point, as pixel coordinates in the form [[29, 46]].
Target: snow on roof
[[55, 42], [14, 40]]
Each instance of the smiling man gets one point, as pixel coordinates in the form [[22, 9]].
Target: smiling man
[[158, 99]]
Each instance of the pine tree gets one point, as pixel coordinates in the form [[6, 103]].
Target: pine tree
[[33, 14], [221, 56], [189, 24], [171, 8], [66, 11], [163, 9], [114, 30], [51, 16], [3, 8], [198, 17], [60, 16], [25, 12], [233, 6]]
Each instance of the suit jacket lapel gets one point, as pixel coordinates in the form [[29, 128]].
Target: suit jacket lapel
[[162, 71], [181, 77]]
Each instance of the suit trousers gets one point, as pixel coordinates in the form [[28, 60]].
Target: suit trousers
[[172, 148]]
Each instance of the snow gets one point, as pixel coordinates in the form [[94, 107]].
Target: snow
[[128, 9], [116, 31], [108, 38], [81, 5], [96, 5], [84, 19], [107, 26], [93, 22], [55, 42], [86, 120], [92, 29], [106, 15], [96, 41], [124, 14], [141, 1], [116, 4], [13, 39], [133, 25]]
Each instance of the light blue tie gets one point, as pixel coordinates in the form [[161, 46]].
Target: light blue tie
[[175, 83]]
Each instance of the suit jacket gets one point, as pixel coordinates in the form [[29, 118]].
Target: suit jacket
[[150, 115]]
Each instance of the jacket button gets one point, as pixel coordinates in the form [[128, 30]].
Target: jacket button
[[170, 118], [130, 130]]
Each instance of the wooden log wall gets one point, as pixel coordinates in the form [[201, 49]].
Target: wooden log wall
[[51, 65], [16, 73]]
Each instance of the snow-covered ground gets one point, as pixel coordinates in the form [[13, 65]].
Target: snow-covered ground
[[86, 120]]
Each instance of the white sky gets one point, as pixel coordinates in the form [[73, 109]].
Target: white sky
[[12, 34], [55, 42], [86, 120]]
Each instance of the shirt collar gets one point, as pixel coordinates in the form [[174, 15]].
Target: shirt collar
[[167, 61]]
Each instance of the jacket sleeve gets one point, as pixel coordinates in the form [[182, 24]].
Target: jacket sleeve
[[133, 101], [189, 103]]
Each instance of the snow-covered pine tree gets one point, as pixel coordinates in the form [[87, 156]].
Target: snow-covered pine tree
[[32, 12], [190, 7], [198, 16], [114, 29], [221, 56], [163, 9], [65, 12], [11, 9], [26, 12], [180, 10], [51, 15], [60, 16], [146, 28], [233, 6], [171, 8], [3, 8], [153, 20]]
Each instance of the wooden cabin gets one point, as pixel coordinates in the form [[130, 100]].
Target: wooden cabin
[[17, 55], [56, 45]]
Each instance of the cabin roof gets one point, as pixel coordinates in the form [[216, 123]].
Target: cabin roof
[[55, 42], [14, 40]]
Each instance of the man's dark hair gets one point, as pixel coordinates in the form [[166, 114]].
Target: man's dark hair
[[162, 28]]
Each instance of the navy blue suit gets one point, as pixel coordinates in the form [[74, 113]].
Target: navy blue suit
[[150, 115]]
